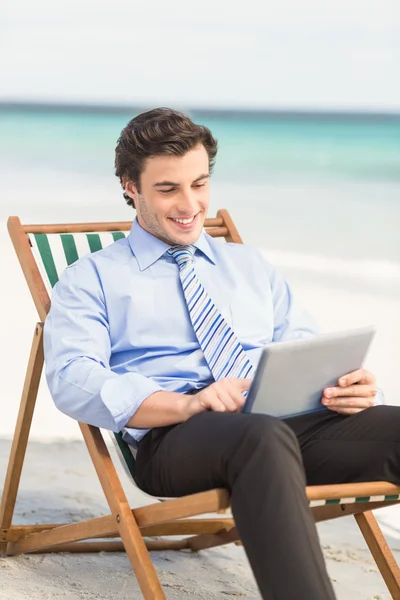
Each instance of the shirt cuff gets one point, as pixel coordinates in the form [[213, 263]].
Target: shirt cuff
[[131, 390], [379, 398]]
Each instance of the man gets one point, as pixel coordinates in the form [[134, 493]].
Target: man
[[159, 334]]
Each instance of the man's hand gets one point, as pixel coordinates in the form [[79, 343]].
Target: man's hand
[[225, 395], [356, 391]]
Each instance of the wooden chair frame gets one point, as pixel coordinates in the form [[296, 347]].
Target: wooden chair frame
[[169, 518]]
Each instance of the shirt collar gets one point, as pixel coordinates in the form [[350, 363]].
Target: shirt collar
[[148, 249]]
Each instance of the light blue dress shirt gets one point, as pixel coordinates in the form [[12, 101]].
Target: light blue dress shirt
[[119, 330]]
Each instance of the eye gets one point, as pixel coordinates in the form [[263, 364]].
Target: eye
[[167, 191], [199, 185]]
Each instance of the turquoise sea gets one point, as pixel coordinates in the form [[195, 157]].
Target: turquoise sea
[[319, 195], [317, 191]]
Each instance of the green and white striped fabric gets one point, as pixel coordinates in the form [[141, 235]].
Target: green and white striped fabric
[[54, 252], [354, 500]]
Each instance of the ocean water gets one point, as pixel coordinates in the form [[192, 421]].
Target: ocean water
[[320, 194]]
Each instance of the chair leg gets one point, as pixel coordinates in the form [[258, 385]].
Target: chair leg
[[21, 434], [126, 523], [380, 551], [212, 540]]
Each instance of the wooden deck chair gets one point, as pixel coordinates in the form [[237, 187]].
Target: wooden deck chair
[[43, 252]]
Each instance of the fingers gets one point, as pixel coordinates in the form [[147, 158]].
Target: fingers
[[348, 405], [230, 398], [352, 390], [242, 384], [347, 411], [358, 376], [222, 404], [355, 393], [225, 395], [230, 392]]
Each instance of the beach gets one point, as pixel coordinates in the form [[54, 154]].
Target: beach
[[59, 485], [334, 237]]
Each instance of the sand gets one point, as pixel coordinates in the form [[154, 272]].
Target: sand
[[59, 485]]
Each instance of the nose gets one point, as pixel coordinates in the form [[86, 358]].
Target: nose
[[187, 203]]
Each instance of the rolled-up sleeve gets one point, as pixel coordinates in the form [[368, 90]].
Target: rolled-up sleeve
[[77, 351]]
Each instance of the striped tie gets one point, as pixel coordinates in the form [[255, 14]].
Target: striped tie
[[221, 348]]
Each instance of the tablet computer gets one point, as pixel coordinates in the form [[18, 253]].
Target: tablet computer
[[291, 376]]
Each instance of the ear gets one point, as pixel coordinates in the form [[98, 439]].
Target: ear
[[130, 188]]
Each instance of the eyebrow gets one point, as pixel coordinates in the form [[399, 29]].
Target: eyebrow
[[174, 184]]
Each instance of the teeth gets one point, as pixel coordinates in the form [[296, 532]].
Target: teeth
[[184, 221]]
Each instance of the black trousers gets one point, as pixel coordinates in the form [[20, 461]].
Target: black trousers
[[265, 463]]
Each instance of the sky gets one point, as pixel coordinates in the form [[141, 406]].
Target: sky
[[276, 54]]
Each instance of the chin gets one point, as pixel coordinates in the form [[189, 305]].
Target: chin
[[185, 239]]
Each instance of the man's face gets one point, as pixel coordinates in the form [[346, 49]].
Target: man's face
[[174, 196]]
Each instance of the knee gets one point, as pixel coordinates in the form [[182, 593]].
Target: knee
[[269, 434], [263, 446], [385, 419], [386, 411]]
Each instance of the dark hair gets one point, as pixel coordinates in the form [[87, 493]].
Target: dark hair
[[158, 132]]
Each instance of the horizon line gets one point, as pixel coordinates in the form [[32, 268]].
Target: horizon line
[[243, 112]]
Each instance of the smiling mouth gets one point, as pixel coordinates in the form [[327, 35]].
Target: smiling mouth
[[184, 222]]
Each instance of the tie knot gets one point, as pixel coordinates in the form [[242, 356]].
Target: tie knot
[[182, 254]]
